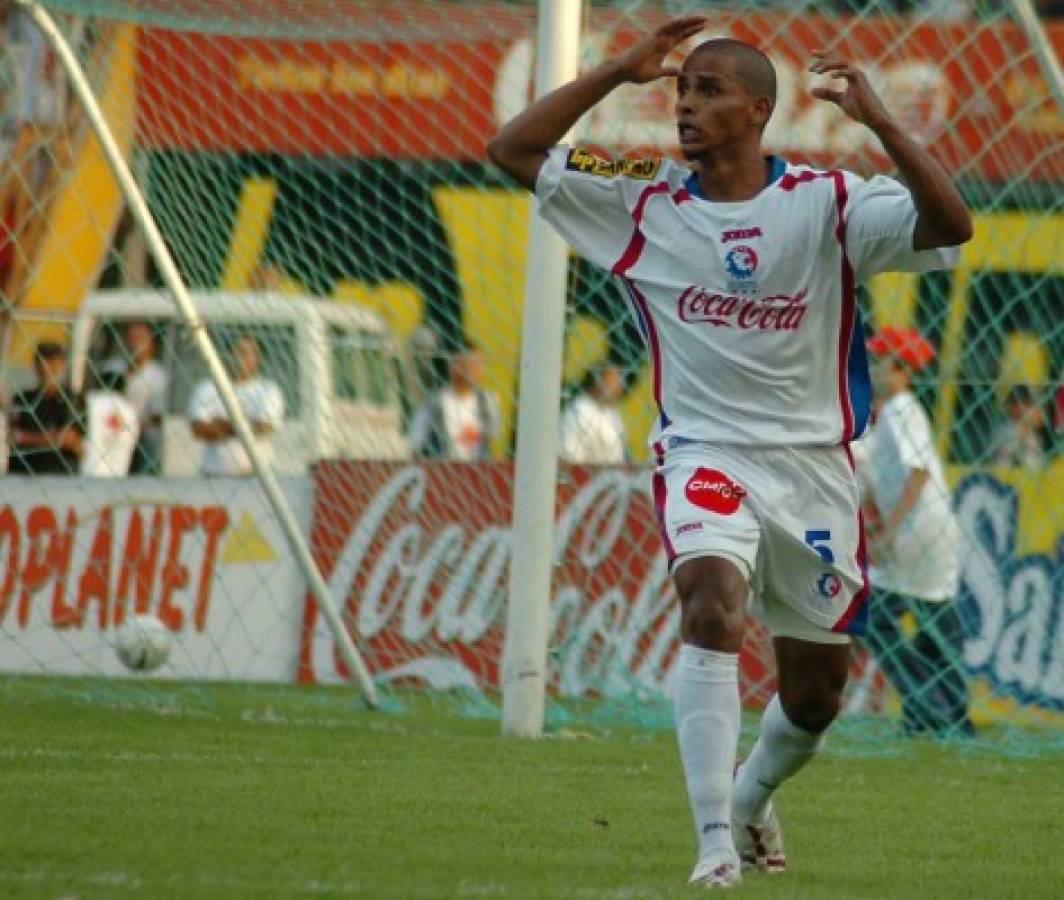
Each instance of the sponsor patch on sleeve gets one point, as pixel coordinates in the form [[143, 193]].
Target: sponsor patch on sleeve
[[587, 162]]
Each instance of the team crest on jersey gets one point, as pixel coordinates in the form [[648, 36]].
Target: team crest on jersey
[[590, 164], [741, 262]]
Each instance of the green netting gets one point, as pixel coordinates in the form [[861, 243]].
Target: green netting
[[318, 172]]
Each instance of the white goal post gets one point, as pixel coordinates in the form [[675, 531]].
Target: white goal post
[[1027, 18], [168, 270], [524, 663]]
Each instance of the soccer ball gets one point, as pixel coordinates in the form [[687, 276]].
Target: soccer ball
[[143, 643]]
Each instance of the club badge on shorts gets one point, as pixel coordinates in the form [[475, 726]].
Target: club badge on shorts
[[829, 586], [713, 490]]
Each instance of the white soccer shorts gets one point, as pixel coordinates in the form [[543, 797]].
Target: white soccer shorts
[[790, 518]]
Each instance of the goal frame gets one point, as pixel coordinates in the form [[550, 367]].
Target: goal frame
[[168, 271]]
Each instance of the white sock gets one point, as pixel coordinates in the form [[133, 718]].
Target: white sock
[[782, 749], [707, 729]]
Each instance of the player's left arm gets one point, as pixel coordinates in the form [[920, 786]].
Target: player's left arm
[[943, 218]]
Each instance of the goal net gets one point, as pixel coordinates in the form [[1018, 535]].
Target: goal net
[[317, 171]]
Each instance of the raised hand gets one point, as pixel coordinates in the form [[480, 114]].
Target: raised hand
[[645, 60], [520, 148], [858, 100]]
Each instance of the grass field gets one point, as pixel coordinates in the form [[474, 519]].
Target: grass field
[[220, 792]]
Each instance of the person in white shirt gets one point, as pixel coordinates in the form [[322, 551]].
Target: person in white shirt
[[460, 419], [260, 399], [1021, 439], [741, 271], [147, 383], [111, 428], [914, 541], [592, 430]]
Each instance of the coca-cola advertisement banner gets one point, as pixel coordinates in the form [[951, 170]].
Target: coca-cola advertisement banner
[[437, 82], [419, 554]]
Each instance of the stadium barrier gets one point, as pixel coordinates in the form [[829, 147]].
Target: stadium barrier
[[80, 556]]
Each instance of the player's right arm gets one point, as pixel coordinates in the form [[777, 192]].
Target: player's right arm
[[521, 146]]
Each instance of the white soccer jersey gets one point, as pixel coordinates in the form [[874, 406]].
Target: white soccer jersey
[[748, 309]]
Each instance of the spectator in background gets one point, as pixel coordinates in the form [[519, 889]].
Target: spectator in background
[[261, 400], [45, 428], [459, 420], [111, 427], [914, 542], [33, 111], [147, 382], [592, 430], [423, 365], [1021, 440]]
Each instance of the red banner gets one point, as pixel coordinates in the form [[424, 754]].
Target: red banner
[[972, 90], [204, 92]]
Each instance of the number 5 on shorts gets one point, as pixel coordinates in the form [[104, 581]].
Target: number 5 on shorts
[[819, 540]]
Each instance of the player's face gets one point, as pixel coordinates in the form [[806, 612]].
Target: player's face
[[714, 109]]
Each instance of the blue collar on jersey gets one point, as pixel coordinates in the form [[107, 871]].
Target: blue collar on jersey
[[779, 166]]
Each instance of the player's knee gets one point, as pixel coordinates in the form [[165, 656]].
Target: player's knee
[[713, 602], [709, 623], [817, 717], [814, 707]]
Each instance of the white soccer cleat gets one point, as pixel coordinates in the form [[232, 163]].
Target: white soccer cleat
[[761, 846], [716, 872]]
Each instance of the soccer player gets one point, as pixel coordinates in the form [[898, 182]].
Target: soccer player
[[741, 272]]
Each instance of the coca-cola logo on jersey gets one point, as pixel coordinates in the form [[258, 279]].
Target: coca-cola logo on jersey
[[713, 490], [780, 312]]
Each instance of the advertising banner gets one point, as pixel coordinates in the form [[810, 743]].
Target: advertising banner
[[420, 554], [80, 556], [439, 91]]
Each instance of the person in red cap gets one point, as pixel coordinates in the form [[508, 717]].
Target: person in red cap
[[914, 544]]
